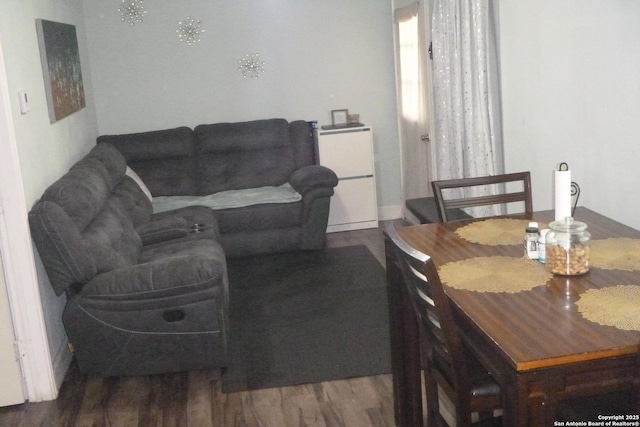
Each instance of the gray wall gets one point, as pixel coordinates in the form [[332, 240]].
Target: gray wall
[[319, 55], [571, 90], [46, 150]]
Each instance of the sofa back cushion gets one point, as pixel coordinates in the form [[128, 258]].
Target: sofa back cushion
[[163, 159], [80, 226], [233, 156]]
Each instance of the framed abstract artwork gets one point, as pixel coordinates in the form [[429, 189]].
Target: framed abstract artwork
[[61, 69]]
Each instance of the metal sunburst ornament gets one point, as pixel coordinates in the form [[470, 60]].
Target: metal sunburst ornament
[[189, 30], [132, 11], [251, 66]]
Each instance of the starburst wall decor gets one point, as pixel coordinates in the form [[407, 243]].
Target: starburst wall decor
[[251, 66], [132, 11], [189, 31]]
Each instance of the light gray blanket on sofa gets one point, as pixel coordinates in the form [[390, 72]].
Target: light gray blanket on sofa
[[230, 198]]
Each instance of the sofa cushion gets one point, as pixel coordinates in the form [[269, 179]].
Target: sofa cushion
[[74, 252], [111, 161], [163, 271], [163, 158], [80, 226], [129, 195], [112, 239], [81, 193], [233, 156]]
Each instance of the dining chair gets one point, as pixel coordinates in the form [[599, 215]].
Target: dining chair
[[448, 364], [454, 193]]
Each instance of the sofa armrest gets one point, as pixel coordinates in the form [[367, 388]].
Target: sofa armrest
[[311, 177], [160, 230]]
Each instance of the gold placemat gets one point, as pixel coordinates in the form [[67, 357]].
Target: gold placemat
[[620, 253], [494, 274], [617, 306], [495, 231]]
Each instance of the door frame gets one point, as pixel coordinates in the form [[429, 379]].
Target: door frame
[[19, 262]]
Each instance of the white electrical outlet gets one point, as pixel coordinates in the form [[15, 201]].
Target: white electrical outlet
[[24, 102]]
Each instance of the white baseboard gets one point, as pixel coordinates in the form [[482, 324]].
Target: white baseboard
[[387, 213], [61, 363]]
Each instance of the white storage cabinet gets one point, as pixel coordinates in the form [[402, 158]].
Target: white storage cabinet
[[349, 153]]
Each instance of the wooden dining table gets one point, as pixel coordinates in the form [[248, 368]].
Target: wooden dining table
[[538, 346]]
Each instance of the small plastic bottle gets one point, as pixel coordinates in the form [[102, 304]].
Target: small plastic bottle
[[532, 234]]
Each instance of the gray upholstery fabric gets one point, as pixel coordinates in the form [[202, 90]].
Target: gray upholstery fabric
[[312, 177], [233, 156], [273, 216], [112, 240], [131, 198], [146, 293], [163, 229], [64, 251], [164, 159]]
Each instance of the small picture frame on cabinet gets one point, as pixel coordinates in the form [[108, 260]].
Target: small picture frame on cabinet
[[339, 117]]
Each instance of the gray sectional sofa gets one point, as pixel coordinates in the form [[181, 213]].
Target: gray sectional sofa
[[146, 293], [261, 177], [146, 286]]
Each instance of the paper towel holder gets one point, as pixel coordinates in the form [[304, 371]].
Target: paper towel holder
[[575, 188], [575, 192]]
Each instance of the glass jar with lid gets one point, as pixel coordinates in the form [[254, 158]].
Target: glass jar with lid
[[567, 247]]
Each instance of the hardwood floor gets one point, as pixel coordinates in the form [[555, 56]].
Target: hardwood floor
[[195, 398]]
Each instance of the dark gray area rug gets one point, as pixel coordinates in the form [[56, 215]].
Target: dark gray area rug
[[306, 317]]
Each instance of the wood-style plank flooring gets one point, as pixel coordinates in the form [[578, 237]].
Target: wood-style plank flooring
[[195, 398]]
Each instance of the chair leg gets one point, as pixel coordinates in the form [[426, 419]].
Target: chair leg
[[433, 403]]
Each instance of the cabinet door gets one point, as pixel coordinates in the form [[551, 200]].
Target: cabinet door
[[347, 153], [353, 202]]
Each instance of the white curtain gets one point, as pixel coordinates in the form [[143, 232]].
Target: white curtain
[[467, 110]]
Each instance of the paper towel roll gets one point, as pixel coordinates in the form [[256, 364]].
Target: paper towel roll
[[563, 191]]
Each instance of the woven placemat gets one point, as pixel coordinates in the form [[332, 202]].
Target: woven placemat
[[495, 231], [619, 253], [617, 306], [494, 274]]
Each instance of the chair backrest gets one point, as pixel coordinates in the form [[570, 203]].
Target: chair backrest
[[443, 353], [456, 193]]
